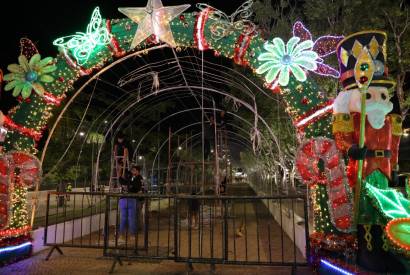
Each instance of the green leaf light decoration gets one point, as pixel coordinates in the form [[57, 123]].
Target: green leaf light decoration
[[95, 138], [28, 75], [398, 232], [392, 203], [282, 60], [81, 45]]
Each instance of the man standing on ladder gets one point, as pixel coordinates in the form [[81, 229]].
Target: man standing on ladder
[[121, 153]]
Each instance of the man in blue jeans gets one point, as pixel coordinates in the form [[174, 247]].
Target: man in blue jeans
[[129, 207]]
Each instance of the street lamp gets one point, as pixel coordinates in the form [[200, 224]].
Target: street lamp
[[82, 134], [140, 157], [179, 148]]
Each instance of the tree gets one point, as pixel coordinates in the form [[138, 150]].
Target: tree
[[275, 18], [349, 16], [397, 16]]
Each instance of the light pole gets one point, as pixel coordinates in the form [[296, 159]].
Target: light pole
[[140, 159]]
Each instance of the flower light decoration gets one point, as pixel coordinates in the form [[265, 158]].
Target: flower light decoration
[[281, 60], [28, 75], [299, 55]]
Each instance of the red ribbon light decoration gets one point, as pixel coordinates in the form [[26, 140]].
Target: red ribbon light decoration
[[243, 43], [11, 125], [115, 48], [200, 21]]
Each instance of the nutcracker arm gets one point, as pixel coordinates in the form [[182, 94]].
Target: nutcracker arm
[[343, 129], [357, 153]]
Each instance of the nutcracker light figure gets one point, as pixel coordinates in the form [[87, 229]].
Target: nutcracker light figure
[[368, 134]]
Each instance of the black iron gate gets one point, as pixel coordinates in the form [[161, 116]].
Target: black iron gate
[[253, 230], [243, 230]]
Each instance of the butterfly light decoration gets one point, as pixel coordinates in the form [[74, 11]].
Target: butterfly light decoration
[[323, 46], [224, 24], [81, 44]]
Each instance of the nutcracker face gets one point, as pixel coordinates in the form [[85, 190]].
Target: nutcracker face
[[378, 105]]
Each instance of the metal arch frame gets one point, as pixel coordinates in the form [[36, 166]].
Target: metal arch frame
[[44, 151], [236, 134], [231, 139], [119, 61], [195, 57], [180, 112], [207, 62], [164, 90], [95, 76], [238, 141], [227, 80], [174, 133]]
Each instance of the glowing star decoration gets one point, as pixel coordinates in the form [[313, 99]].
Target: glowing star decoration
[[83, 44], [28, 75], [153, 19], [392, 203], [323, 46], [282, 60]]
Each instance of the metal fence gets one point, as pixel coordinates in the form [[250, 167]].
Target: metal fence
[[250, 230], [239, 230], [74, 219], [147, 230]]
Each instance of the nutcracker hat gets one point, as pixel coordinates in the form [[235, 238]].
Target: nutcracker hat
[[348, 51]]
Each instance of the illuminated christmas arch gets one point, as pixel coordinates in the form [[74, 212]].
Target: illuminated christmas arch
[[285, 68], [43, 84]]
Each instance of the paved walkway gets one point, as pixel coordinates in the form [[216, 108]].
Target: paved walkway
[[84, 261]]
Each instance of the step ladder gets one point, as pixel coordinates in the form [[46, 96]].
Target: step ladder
[[117, 171]]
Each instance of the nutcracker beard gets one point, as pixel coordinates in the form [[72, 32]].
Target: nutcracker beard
[[377, 107]]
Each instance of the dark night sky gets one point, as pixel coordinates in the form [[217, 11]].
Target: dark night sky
[[44, 21]]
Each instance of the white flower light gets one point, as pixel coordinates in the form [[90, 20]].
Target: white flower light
[[281, 60]]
